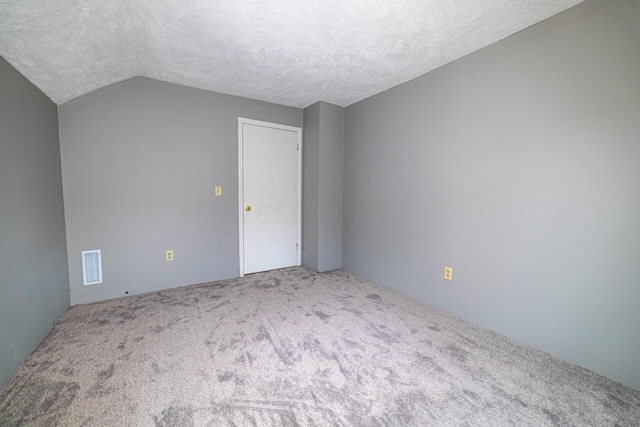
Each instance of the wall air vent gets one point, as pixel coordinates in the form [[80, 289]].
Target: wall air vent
[[91, 267]]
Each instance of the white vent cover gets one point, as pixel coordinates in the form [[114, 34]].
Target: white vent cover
[[91, 267]]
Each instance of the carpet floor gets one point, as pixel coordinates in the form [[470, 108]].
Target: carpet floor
[[296, 348]]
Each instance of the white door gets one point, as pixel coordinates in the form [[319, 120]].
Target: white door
[[270, 193]]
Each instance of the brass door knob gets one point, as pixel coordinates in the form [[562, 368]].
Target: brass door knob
[[248, 208]]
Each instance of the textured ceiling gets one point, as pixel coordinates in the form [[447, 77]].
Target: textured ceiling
[[291, 52]]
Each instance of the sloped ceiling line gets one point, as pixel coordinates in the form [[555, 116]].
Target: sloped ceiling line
[[288, 52]]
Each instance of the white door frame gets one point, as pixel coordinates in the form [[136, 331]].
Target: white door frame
[[242, 121]]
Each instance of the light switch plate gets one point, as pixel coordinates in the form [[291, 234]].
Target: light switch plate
[[218, 190]]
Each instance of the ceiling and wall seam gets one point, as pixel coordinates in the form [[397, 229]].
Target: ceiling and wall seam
[[282, 51]]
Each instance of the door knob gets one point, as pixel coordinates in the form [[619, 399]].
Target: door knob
[[248, 208]]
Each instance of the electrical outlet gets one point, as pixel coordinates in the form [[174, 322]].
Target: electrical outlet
[[168, 256], [448, 273]]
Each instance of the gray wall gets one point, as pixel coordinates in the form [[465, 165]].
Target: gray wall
[[330, 187], [34, 283], [310, 185], [518, 166], [140, 160], [322, 186]]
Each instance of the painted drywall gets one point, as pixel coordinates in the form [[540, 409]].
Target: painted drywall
[[518, 166], [310, 185], [330, 187], [34, 282], [322, 186], [140, 162]]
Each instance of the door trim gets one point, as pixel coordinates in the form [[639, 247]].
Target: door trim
[[242, 121]]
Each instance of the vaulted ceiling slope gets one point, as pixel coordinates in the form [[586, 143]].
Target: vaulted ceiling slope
[[291, 52]]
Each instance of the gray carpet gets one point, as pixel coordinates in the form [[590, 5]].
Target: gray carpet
[[295, 348]]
